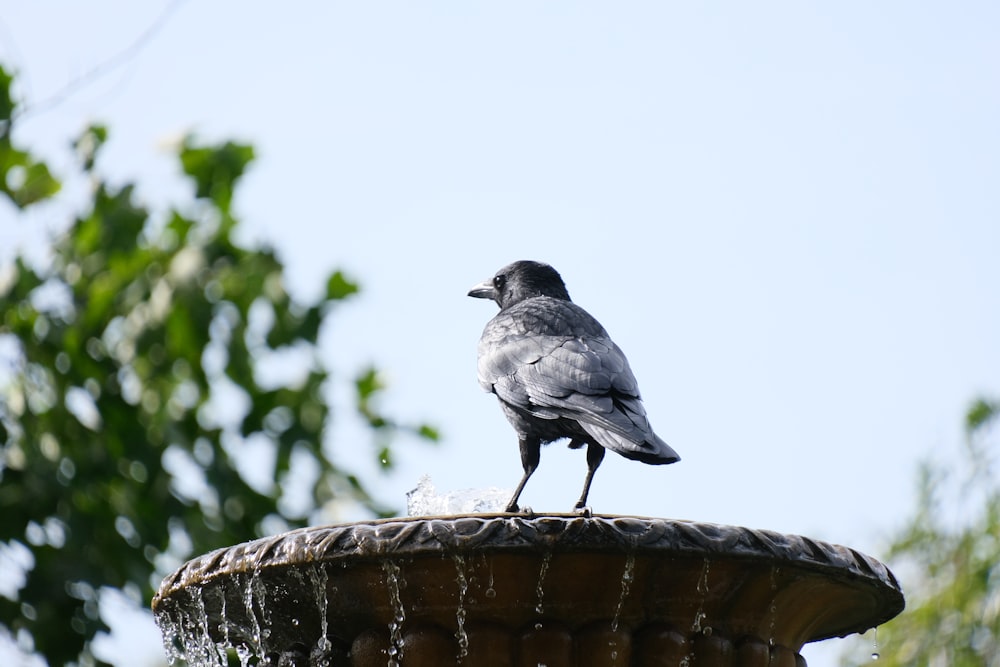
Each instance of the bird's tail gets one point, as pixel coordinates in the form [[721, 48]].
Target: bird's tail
[[652, 449], [664, 453]]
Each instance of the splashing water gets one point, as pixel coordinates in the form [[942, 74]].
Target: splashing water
[[627, 577], [424, 500], [539, 590], [193, 624], [244, 654], [394, 581], [184, 632], [463, 587], [170, 631], [216, 653]]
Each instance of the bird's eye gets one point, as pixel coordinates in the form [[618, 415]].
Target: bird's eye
[[499, 281]]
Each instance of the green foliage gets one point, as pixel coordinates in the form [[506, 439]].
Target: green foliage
[[981, 412], [215, 170], [23, 179], [135, 392], [951, 549], [339, 287]]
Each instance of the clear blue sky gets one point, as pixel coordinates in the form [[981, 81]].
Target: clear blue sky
[[786, 214]]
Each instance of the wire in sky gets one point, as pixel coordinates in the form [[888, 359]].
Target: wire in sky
[[121, 58]]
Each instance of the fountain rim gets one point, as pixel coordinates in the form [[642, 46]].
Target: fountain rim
[[441, 535]]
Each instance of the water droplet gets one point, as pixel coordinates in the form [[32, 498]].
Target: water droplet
[[490, 591], [876, 655]]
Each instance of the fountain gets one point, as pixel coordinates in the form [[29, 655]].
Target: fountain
[[491, 590]]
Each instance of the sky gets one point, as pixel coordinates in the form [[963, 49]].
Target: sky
[[786, 214]]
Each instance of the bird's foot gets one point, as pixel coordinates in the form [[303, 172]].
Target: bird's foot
[[583, 511], [525, 511], [513, 508]]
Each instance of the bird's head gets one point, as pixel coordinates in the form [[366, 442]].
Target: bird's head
[[519, 281]]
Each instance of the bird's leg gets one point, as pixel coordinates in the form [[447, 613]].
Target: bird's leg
[[531, 450], [595, 454]]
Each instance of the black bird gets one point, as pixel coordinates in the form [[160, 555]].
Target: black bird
[[558, 375]]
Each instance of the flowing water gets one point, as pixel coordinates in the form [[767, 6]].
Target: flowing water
[[539, 590], [463, 588], [256, 646], [394, 582], [702, 588], [318, 579], [696, 627], [627, 577], [772, 609]]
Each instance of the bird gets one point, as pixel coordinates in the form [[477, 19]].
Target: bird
[[557, 374]]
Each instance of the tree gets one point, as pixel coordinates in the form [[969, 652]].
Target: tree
[[951, 548], [131, 388]]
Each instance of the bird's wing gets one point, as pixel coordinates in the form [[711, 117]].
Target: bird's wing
[[584, 378]]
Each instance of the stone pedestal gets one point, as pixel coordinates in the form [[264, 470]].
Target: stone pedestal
[[513, 590]]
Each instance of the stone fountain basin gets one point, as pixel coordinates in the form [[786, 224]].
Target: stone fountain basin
[[515, 589]]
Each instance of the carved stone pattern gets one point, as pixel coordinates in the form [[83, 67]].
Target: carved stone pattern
[[505, 532]]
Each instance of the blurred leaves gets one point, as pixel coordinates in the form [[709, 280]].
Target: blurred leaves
[[89, 144], [23, 179], [950, 550], [138, 423], [339, 287], [215, 170], [981, 412]]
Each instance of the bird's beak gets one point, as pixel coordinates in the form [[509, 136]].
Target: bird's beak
[[483, 290]]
